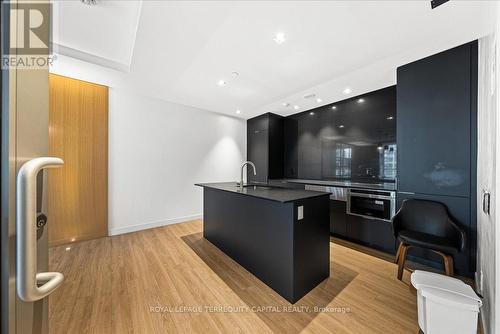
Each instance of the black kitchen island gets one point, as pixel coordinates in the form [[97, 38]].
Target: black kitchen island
[[280, 235]]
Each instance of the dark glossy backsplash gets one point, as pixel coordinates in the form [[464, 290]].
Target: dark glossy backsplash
[[354, 139]]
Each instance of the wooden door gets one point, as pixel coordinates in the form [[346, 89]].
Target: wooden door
[[78, 133]]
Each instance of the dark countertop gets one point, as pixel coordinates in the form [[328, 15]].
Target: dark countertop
[[278, 194], [387, 186]]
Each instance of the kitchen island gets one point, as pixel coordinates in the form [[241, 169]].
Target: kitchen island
[[280, 235]]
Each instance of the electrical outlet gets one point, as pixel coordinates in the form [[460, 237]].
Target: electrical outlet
[[300, 212]]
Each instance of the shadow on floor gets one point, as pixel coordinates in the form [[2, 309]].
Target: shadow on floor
[[258, 296]]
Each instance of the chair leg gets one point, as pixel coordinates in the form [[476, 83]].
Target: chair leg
[[448, 265], [401, 260], [396, 259]]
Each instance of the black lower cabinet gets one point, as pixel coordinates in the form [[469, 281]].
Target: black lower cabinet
[[338, 218], [376, 234], [373, 233], [459, 210], [288, 253]]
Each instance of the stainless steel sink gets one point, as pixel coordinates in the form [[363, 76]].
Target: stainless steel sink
[[256, 187], [262, 187]]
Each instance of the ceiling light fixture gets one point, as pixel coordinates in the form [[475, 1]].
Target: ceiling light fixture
[[334, 107], [296, 107], [221, 83], [437, 3], [347, 90], [234, 74], [280, 38], [89, 2], [285, 104], [238, 111], [361, 100], [319, 100], [311, 113], [390, 118], [341, 126]]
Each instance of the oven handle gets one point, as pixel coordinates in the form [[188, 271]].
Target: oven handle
[[372, 196]]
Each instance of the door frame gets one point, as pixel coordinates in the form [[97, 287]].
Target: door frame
[[24, 135]]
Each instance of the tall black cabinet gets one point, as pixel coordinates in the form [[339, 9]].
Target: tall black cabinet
[[436, 137], [265, 147]]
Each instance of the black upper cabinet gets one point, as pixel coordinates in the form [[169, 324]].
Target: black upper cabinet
[[434, 99], [353, 139], [265, 147], [436, 136], [258, 153], [291, 149]]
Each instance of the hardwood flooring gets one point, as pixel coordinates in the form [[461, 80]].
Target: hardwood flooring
[[171, 280]]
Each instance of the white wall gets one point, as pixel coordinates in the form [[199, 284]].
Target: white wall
[[157, 151]]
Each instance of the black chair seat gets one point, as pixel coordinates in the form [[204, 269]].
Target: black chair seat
[[426, 240]]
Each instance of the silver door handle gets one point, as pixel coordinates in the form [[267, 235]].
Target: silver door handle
[[486, 202], [28, 279]]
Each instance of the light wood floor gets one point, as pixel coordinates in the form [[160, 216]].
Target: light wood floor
[[140, 282]]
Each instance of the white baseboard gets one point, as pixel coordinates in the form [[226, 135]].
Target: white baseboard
[[145, 226]]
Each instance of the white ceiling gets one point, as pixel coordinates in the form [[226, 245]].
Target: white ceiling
[[105, 32], [181, 49]]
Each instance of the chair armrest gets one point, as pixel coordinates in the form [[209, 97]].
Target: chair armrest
[[461, 234]]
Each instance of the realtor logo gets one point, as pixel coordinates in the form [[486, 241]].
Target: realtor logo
[[29, 39]]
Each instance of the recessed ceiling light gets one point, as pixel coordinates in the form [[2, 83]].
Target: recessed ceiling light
[[280, 38], [311, 113], [89, 2], [221, 82], [285, 104], [347, 90], [334, 107], [390, 118], [296, 107], [341, 126], [361, 100], [319, 100], [68, 248], [238, 111], [380, 147]]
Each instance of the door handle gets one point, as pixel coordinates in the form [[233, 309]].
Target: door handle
[[486, 202], [28, 280], [406, 193]]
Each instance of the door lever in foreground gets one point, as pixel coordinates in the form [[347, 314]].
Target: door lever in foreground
[[28, 280]]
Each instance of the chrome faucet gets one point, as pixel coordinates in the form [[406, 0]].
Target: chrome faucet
[[242, 167]]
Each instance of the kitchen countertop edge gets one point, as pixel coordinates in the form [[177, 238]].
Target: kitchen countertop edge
[[226, 186]]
